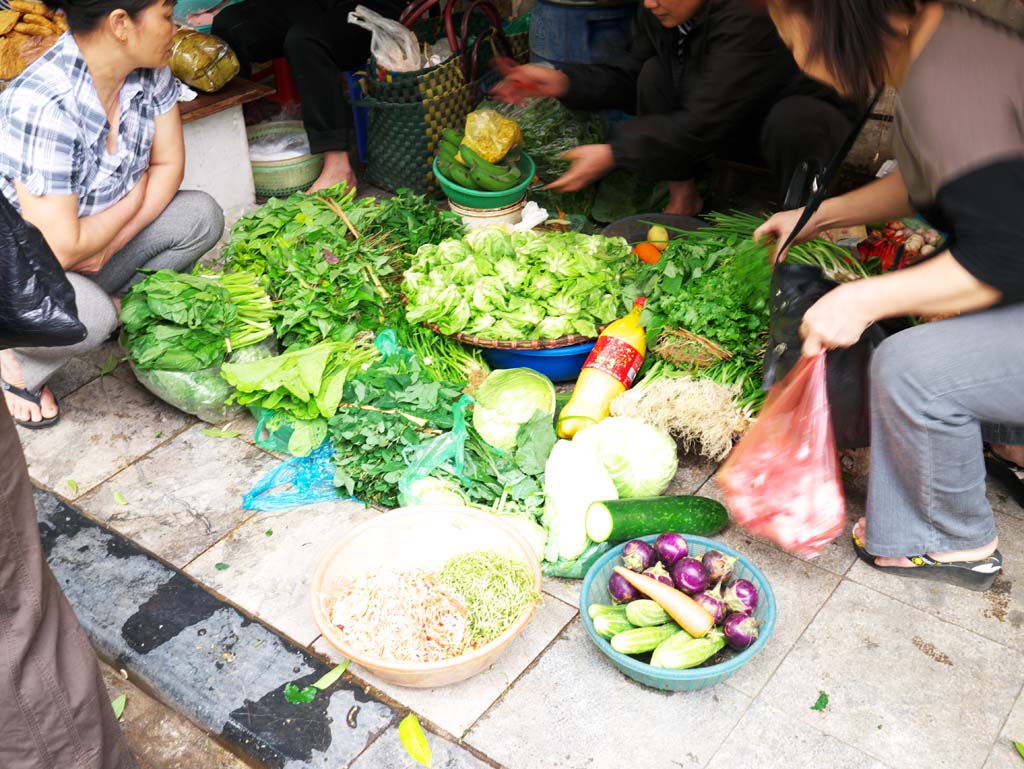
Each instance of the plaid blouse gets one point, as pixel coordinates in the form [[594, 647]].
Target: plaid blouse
[[53, 130]]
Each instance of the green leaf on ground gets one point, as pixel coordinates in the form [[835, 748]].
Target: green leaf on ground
[[73, 485], [159, 434], [220, 566], [269, 532], [119, 498], [331, 676], [210, 432], [109, 365], [1019, 746], [297, 696], [821, 703], [415, 741], [118, 705]]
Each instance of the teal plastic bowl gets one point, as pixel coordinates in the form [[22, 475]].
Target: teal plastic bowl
[[486, 200], [595, 590]]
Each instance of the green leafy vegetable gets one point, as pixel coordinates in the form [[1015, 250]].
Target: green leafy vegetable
[[415, 741], [508, 399], [297, 696], [821, 703], [640, 459], [109, 365], [220, 566], [118, 705], [73, 485], [1019, 746], [329, 678], [210, 432], [269, 532], [120, 498]]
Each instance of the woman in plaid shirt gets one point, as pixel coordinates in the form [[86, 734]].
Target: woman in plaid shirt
[[91, 152]]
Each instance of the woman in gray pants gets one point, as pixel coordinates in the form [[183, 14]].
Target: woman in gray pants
[[91, 153], [938, 388]]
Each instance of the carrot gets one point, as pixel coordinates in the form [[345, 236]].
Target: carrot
[[648, 253], [688, 614]]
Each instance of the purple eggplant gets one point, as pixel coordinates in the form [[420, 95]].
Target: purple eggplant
[[718, 565], [741, 596], [670, 547], [740, 630], [711, 600], [689, 576], [661, 574], [637, 555], [622, 591]]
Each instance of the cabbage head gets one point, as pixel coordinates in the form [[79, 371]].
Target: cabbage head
[[508, 399], [641, 459]]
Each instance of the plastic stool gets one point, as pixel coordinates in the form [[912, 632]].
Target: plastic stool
[[285, 92], [360, 114]]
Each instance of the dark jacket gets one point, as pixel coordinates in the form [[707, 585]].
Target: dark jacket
[[736, 68]]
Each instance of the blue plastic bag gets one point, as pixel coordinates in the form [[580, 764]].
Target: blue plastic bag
[[296, 482]]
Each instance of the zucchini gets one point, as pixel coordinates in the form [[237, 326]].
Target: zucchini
[[597, 609], [611, 625], [643, 639], [682, 650], [644, 612], [621, 520]]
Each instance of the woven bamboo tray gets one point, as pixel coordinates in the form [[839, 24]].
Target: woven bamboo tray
[[514, 344]]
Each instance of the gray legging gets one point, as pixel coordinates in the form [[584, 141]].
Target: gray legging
[[938, 390], [189, 227]]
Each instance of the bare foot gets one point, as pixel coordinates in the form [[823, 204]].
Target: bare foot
[[975, 554], [683, 199], [21, 409], [337, 169], [1009, 452]]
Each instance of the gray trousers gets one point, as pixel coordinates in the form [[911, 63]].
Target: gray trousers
[[189, 227], [938, 390], [54, 709]]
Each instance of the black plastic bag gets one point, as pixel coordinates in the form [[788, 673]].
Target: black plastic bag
[[37, 302], [795, 287]]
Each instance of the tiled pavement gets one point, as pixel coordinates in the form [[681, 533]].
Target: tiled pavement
[[917, 675]]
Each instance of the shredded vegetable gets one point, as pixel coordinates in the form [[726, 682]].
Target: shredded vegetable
[[405, 616], [496, 590]]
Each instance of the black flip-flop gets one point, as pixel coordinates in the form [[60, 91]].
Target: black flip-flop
[[972, 575], [33, 396], [1008, 473]]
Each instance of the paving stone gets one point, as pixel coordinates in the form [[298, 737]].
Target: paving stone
[[903, 686], [160, 738], [388, 753], [800, 588], [1004, 755], [184, 496], [997, 613], [105, 426], [85, 368], [269, 575], [767, 738], [455, 708], [694, 470], [216, 666], [573, 709], [566, 590], [838, 557]]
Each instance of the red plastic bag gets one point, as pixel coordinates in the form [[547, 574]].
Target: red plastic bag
[[782, 481]]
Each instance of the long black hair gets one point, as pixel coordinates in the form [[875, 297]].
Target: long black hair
[[851, 37], [85, 15]]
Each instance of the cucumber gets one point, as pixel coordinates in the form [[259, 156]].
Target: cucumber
[[644, 612], [595, 610], [611, 625], [643, 639], [621, 520], [682, 651]]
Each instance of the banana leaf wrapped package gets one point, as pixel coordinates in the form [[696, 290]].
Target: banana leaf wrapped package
[[202, 61]]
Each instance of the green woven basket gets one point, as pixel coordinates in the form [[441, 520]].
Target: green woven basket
[[278, 178]]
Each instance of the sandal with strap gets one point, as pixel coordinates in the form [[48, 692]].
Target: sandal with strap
[[972, 575], [32, 396], [1010, 474]]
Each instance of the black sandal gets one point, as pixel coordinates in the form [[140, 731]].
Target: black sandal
[[32, 396], [972, 575], [1008, 473]]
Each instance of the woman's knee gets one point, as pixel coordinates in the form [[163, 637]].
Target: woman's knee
[[206, 217]]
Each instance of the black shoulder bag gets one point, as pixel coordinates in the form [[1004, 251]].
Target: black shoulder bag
[[37, 302]]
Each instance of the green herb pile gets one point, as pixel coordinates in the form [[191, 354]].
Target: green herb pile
[[389, 407], [175, 322], [523, 286], [495, 588]]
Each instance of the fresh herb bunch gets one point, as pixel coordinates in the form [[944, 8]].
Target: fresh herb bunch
[[177, 322], [392, 405]]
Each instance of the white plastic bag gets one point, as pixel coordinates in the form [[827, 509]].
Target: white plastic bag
[[393, 46]]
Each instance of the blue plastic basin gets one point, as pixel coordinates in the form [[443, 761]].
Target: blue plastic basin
[[559, 364]]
